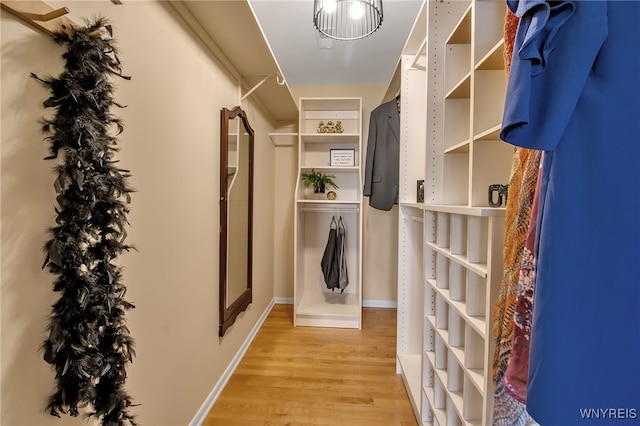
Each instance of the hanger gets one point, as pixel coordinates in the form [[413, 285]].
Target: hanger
[[333, 223]]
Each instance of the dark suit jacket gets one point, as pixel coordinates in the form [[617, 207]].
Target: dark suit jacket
[[383, 151]]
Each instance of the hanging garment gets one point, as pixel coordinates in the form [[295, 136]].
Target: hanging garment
[[516, 376], [573, 91], [381, 173], [522, 183], [507, 410], [343, 278], [329, 263]]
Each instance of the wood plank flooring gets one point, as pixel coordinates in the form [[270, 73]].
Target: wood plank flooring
[[317, 376]]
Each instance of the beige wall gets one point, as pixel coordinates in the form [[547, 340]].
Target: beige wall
[[380, 228], [286, 162], [171, 146]]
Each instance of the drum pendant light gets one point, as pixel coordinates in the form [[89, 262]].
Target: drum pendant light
[[347, 19]]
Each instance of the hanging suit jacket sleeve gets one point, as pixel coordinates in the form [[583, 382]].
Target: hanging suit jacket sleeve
[[383, 147], [371, 149]]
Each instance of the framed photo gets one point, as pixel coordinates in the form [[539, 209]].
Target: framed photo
[[342, 157], [420, 191]]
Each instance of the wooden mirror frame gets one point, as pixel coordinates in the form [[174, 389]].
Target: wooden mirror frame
[[228, 314]]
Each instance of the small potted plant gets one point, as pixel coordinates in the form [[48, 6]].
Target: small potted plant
[[318, 181]]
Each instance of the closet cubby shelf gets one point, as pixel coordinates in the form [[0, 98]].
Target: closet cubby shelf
[[477, 378], [458, 352], [494, 60], [450, 261], [439, 414], [462, 90], [459, 148], [312, 306], [329, 137], [478, 268], [419, 206], [410, 365], [457, 209], [461, 33], [283, 138], [347, 169], [329, 203], [456, 398], [478, 323], [492, 133], [466, 210]]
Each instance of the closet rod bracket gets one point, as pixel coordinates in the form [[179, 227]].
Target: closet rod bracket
[[280, 80], [422, 49]]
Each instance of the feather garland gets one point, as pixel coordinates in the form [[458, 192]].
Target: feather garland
[[88, 343]]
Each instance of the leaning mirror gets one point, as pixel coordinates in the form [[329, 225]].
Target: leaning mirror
[[236, 214]]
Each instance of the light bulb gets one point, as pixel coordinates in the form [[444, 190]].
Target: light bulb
[[329, 6], [356, 11]]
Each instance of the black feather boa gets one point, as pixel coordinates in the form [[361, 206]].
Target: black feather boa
[[88, 343]]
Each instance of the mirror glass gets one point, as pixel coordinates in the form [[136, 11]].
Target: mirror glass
[[236, 206]]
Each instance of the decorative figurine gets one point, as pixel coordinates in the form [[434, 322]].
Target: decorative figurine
[[330, 127], [501, 191]]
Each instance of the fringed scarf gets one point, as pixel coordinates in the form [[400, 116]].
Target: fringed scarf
[[513, 307]]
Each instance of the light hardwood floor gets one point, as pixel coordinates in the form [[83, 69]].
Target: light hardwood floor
[[317, 376]]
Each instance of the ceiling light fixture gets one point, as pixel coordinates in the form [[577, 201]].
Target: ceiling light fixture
[[347, 19]]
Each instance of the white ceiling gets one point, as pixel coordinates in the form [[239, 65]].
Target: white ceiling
[[265, 38], [293, 39]]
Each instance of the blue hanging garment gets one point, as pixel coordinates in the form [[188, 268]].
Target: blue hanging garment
[[574, 91]]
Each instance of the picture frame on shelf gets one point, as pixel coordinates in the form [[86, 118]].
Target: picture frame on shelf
[[420, 191], [342, 157]]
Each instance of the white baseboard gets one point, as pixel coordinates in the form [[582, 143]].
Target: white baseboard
[[283, 300], [375, 303], [201, 415]]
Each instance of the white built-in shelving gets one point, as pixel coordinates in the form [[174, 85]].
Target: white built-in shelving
[[314, 304], [462, 270], [450, 246]]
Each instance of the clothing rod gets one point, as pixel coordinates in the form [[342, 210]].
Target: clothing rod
[[330, 209]]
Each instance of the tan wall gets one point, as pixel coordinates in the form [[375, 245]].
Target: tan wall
[[286, 159], [171, 146], [380, 230]]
